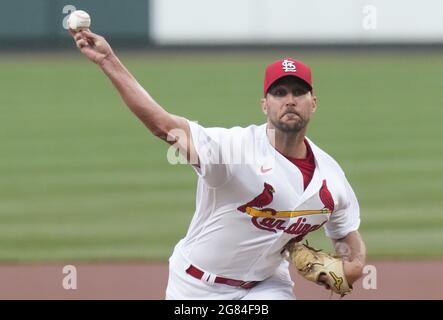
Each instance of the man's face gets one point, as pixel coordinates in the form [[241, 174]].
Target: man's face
[[289, 104]]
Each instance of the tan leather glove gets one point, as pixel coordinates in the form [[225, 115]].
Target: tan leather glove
[[312, 263]]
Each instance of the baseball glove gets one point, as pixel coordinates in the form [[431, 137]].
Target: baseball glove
[[312, 263]]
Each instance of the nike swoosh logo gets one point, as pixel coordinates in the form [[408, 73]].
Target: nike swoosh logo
[[263, 170]]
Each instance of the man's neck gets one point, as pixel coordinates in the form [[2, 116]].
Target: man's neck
[[287, 143]]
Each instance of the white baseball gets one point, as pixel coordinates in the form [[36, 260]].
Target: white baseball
[[79, 20]]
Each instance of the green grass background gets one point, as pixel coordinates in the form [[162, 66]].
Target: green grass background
[[82, 179]]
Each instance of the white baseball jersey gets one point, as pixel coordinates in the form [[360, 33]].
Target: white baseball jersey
[[251, 202]]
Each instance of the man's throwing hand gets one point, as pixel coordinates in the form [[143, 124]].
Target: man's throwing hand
[[93, 46]]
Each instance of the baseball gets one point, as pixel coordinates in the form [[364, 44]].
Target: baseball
[[79, 20]]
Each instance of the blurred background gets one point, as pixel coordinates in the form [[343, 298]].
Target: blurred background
[[82, 180]]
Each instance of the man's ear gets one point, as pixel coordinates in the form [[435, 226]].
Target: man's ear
[[264, 106], [314, 103]]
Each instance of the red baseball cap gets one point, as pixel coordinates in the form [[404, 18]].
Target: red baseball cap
[[287, 67]]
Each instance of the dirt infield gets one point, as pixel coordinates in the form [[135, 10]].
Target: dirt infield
[[395, 280]]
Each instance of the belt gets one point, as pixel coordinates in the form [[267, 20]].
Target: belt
[[197, 273]]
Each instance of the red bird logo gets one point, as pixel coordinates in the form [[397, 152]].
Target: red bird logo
[[326, 197], [260, 201]]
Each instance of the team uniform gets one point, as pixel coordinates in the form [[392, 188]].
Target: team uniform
[[251, 200]]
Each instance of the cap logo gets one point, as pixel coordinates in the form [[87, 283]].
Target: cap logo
[[288, 66]]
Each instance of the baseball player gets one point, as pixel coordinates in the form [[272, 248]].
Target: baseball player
[[259, 188]]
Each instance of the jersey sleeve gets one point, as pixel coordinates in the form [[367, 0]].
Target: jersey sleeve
[[347, 218], [213, 146]]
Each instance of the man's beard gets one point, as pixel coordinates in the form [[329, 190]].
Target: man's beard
[[290, 127]]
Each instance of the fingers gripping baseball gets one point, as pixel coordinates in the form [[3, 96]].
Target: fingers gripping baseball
[[93, 46]]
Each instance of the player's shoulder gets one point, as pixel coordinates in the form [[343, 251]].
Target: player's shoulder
[[324, 158], [237, 132], [250, 134], [253, 128]]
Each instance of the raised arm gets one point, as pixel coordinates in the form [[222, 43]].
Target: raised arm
[[168, 127]]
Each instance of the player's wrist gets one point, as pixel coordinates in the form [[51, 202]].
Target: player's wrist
[[353, 270], [108, 60]]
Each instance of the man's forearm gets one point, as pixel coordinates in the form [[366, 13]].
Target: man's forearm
[[136, 97], [353, 251]]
